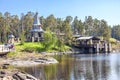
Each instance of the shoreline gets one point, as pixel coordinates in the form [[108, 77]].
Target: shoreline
[[31, 59], [29, 62], [8, 65]]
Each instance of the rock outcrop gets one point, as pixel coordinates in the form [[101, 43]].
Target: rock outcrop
[[6, 74], [30, 61]]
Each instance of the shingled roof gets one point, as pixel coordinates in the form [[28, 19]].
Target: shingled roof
[[36, 25]]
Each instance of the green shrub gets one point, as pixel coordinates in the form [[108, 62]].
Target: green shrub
[[49, 40], [54, 45]]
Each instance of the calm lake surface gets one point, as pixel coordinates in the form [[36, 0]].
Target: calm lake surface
[[79, 67]]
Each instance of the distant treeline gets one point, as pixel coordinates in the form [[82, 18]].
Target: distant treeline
[[69, 26]]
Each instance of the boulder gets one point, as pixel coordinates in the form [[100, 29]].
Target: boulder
[[15, 75]]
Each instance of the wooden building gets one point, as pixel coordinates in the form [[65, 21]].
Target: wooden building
[[11, 38], [92, 44], [36, 31]]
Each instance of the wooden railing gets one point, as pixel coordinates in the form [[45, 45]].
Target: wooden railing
[[90, 45]]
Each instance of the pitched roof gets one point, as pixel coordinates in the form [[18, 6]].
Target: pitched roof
[[36, 20], [87, 38], [36, 25]]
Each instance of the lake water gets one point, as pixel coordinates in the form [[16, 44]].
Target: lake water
[[79, 67]]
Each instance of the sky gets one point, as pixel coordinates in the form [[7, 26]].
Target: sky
[[108, 10]]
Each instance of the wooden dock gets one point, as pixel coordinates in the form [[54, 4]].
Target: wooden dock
[[95, 48], [92, 45]]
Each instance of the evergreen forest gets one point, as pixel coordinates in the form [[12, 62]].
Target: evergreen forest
[[13, 24]]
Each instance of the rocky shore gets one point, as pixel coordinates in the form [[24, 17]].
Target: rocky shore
[[15, 75], [29, 62]]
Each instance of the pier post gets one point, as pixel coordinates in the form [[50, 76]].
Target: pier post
[[38, 39], [97, 48], [32, 39], [109, 47], [105, 48]]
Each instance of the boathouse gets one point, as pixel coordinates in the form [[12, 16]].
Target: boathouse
[[36, 31], [92, 44]]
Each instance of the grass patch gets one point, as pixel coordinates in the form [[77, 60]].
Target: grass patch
[[11, 54], [38, 47], [29, 47], [23, 55]]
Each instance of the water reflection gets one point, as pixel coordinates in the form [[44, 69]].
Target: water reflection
[[79, 67], [92, 67]]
